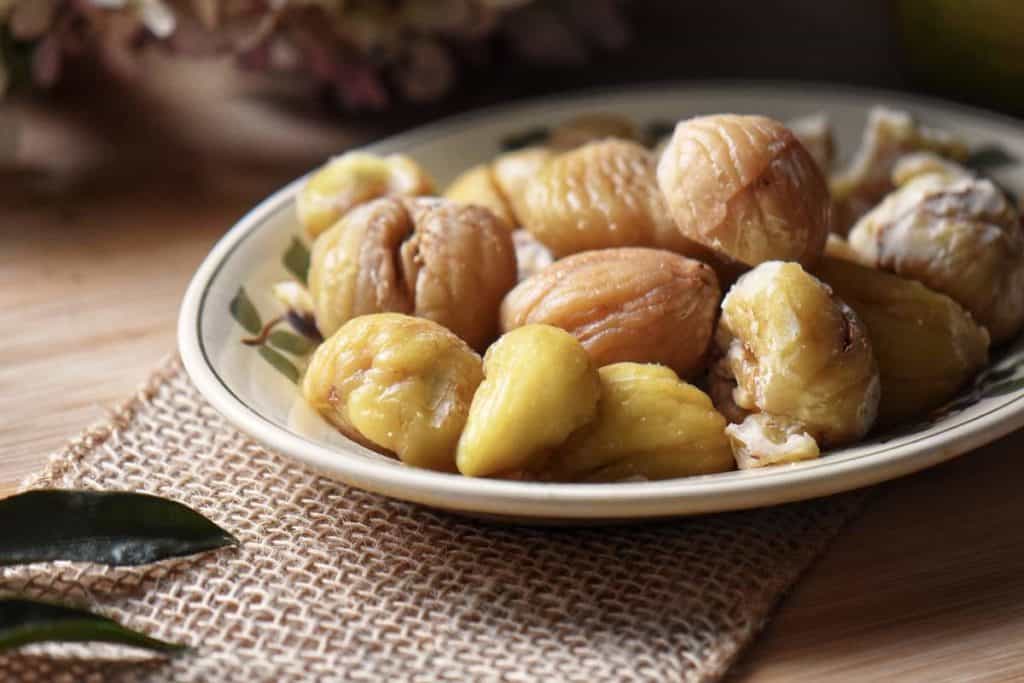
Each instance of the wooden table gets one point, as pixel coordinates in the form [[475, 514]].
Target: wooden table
[[927, 585]]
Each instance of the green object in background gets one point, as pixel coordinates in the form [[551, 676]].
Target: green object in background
[[967, 48]]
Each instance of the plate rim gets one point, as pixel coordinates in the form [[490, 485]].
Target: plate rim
[[534, 500]]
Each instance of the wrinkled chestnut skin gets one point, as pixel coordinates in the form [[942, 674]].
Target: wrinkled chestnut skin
[[649, 424], [500, 184], [629, 304], [585, 128], [448, 262], [957, 234], [397, 383], [745, 187], [599, 196]]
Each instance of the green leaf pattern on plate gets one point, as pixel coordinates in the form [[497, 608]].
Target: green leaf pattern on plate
[[244, 313], [280, 363], [270, 342], [296, 260], [291, 342]]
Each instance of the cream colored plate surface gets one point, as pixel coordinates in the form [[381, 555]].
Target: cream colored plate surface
[[262, 402]]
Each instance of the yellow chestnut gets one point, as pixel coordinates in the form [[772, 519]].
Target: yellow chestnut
[[398, 383], [649, 424], [348, 180], [539, 387]]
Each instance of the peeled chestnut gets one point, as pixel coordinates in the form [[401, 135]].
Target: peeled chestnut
[[956, 233], [599, 196], [745, 187], [499, 185], [347, 181], [585, 128], [926, 344], [477, 186], [398, 383], [649, 424], [889, 134], [629, 304], [449, 262], [539, 387], [794, 351]]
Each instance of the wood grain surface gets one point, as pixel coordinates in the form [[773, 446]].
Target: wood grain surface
[[927, 585]]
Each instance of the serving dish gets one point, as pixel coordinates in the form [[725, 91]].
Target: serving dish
[[254, 390]]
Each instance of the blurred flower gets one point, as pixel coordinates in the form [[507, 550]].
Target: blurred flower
[[365, 50], [426, 72]]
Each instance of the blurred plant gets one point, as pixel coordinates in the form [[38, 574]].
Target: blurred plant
[[365, 50]]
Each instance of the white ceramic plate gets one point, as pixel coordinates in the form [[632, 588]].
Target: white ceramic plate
[[256, 397]]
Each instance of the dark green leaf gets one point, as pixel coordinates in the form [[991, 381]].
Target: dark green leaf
[[280, 363], [533, 136], [990, 156], [245, 313], [296, 260], [114, 528], [292, 343], [1002, 388], [23, 622]]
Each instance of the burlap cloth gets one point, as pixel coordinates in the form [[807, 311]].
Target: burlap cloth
[[332, 583]]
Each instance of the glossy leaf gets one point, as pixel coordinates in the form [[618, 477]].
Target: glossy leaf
[[280, 363], [243, 311], [112, 528], [988, 157], [292, 343], [24, 622], [296, 260]]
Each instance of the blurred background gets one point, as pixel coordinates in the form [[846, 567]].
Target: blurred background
[[243, 94]]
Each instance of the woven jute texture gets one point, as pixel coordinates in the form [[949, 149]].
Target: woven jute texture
[[332, 583]]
